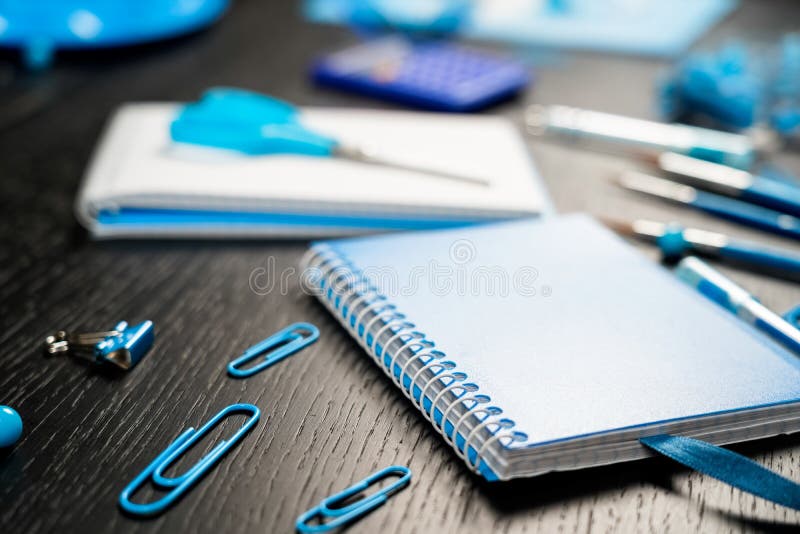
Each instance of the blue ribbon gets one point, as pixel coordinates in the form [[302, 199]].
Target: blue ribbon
[[727, 466]]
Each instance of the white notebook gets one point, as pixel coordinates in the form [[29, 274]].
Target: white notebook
[[538, 346], [141, 184]]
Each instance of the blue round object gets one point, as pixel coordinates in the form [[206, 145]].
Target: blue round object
[[672, 243], [10, 426], [40, 27]]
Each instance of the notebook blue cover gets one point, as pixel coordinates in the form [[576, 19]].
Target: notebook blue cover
[[581, 344]]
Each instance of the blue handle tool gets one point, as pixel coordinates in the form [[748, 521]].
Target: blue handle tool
[[123, 347], [10, 426], [720, 206], [733, 298], [675, 241], [256, 124], [773, 194]]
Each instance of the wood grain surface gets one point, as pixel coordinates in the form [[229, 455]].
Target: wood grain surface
[[329, 417]]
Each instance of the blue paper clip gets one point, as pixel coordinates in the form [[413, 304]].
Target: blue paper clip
[[179, 485], [284, 343], [123, 346], [331, 507]]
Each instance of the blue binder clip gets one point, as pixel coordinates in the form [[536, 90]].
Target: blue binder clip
[[278, 346], [177, 486], [122, 347], [338, 509]]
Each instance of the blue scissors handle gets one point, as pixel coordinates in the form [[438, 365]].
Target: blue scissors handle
[[248, 122]]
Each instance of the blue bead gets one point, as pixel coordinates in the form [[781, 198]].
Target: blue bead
[[10, 426]]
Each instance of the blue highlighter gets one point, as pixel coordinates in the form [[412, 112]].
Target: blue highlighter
[[10, 427]]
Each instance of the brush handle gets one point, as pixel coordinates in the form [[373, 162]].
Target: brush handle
[[756, 255], [747, 214], [773, 194]]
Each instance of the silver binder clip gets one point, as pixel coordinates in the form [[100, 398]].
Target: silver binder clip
[[122, 347]]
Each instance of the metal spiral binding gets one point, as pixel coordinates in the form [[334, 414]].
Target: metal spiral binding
[[351, 298]]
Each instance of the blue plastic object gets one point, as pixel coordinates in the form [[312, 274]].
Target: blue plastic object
[[247, 122], [40, 27], [278, 346], [10, 426], [338, 509], [674, 244], [738, 86], [716, 287], [748, 214], [177, 486], [784, 261], [412, 16], [773, 194], [432, 75], [793, 316]]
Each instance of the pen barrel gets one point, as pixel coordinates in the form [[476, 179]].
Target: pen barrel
[[748, 214], [770, 258], [639, 135], [773, 194], [736, 300]]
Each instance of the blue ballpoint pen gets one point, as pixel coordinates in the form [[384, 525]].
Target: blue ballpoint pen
[[257, 124], [733, 298], [773, 194], [718, 205], [676, 241]]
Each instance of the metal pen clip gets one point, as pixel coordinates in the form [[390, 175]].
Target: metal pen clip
[[122, 347]]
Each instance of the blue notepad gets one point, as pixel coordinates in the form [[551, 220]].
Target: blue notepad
[[538, 346]]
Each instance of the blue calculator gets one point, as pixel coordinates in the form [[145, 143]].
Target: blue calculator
[[432, 75]]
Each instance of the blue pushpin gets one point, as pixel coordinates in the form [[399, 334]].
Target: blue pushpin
[[256, 124], [123, 347], [10, 427]]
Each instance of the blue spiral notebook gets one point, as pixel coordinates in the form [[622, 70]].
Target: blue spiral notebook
[[548, 345]]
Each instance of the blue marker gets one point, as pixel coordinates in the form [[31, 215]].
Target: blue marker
[[733, 298], [10, 427]]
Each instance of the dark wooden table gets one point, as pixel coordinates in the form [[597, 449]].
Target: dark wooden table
[[329, 416]]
